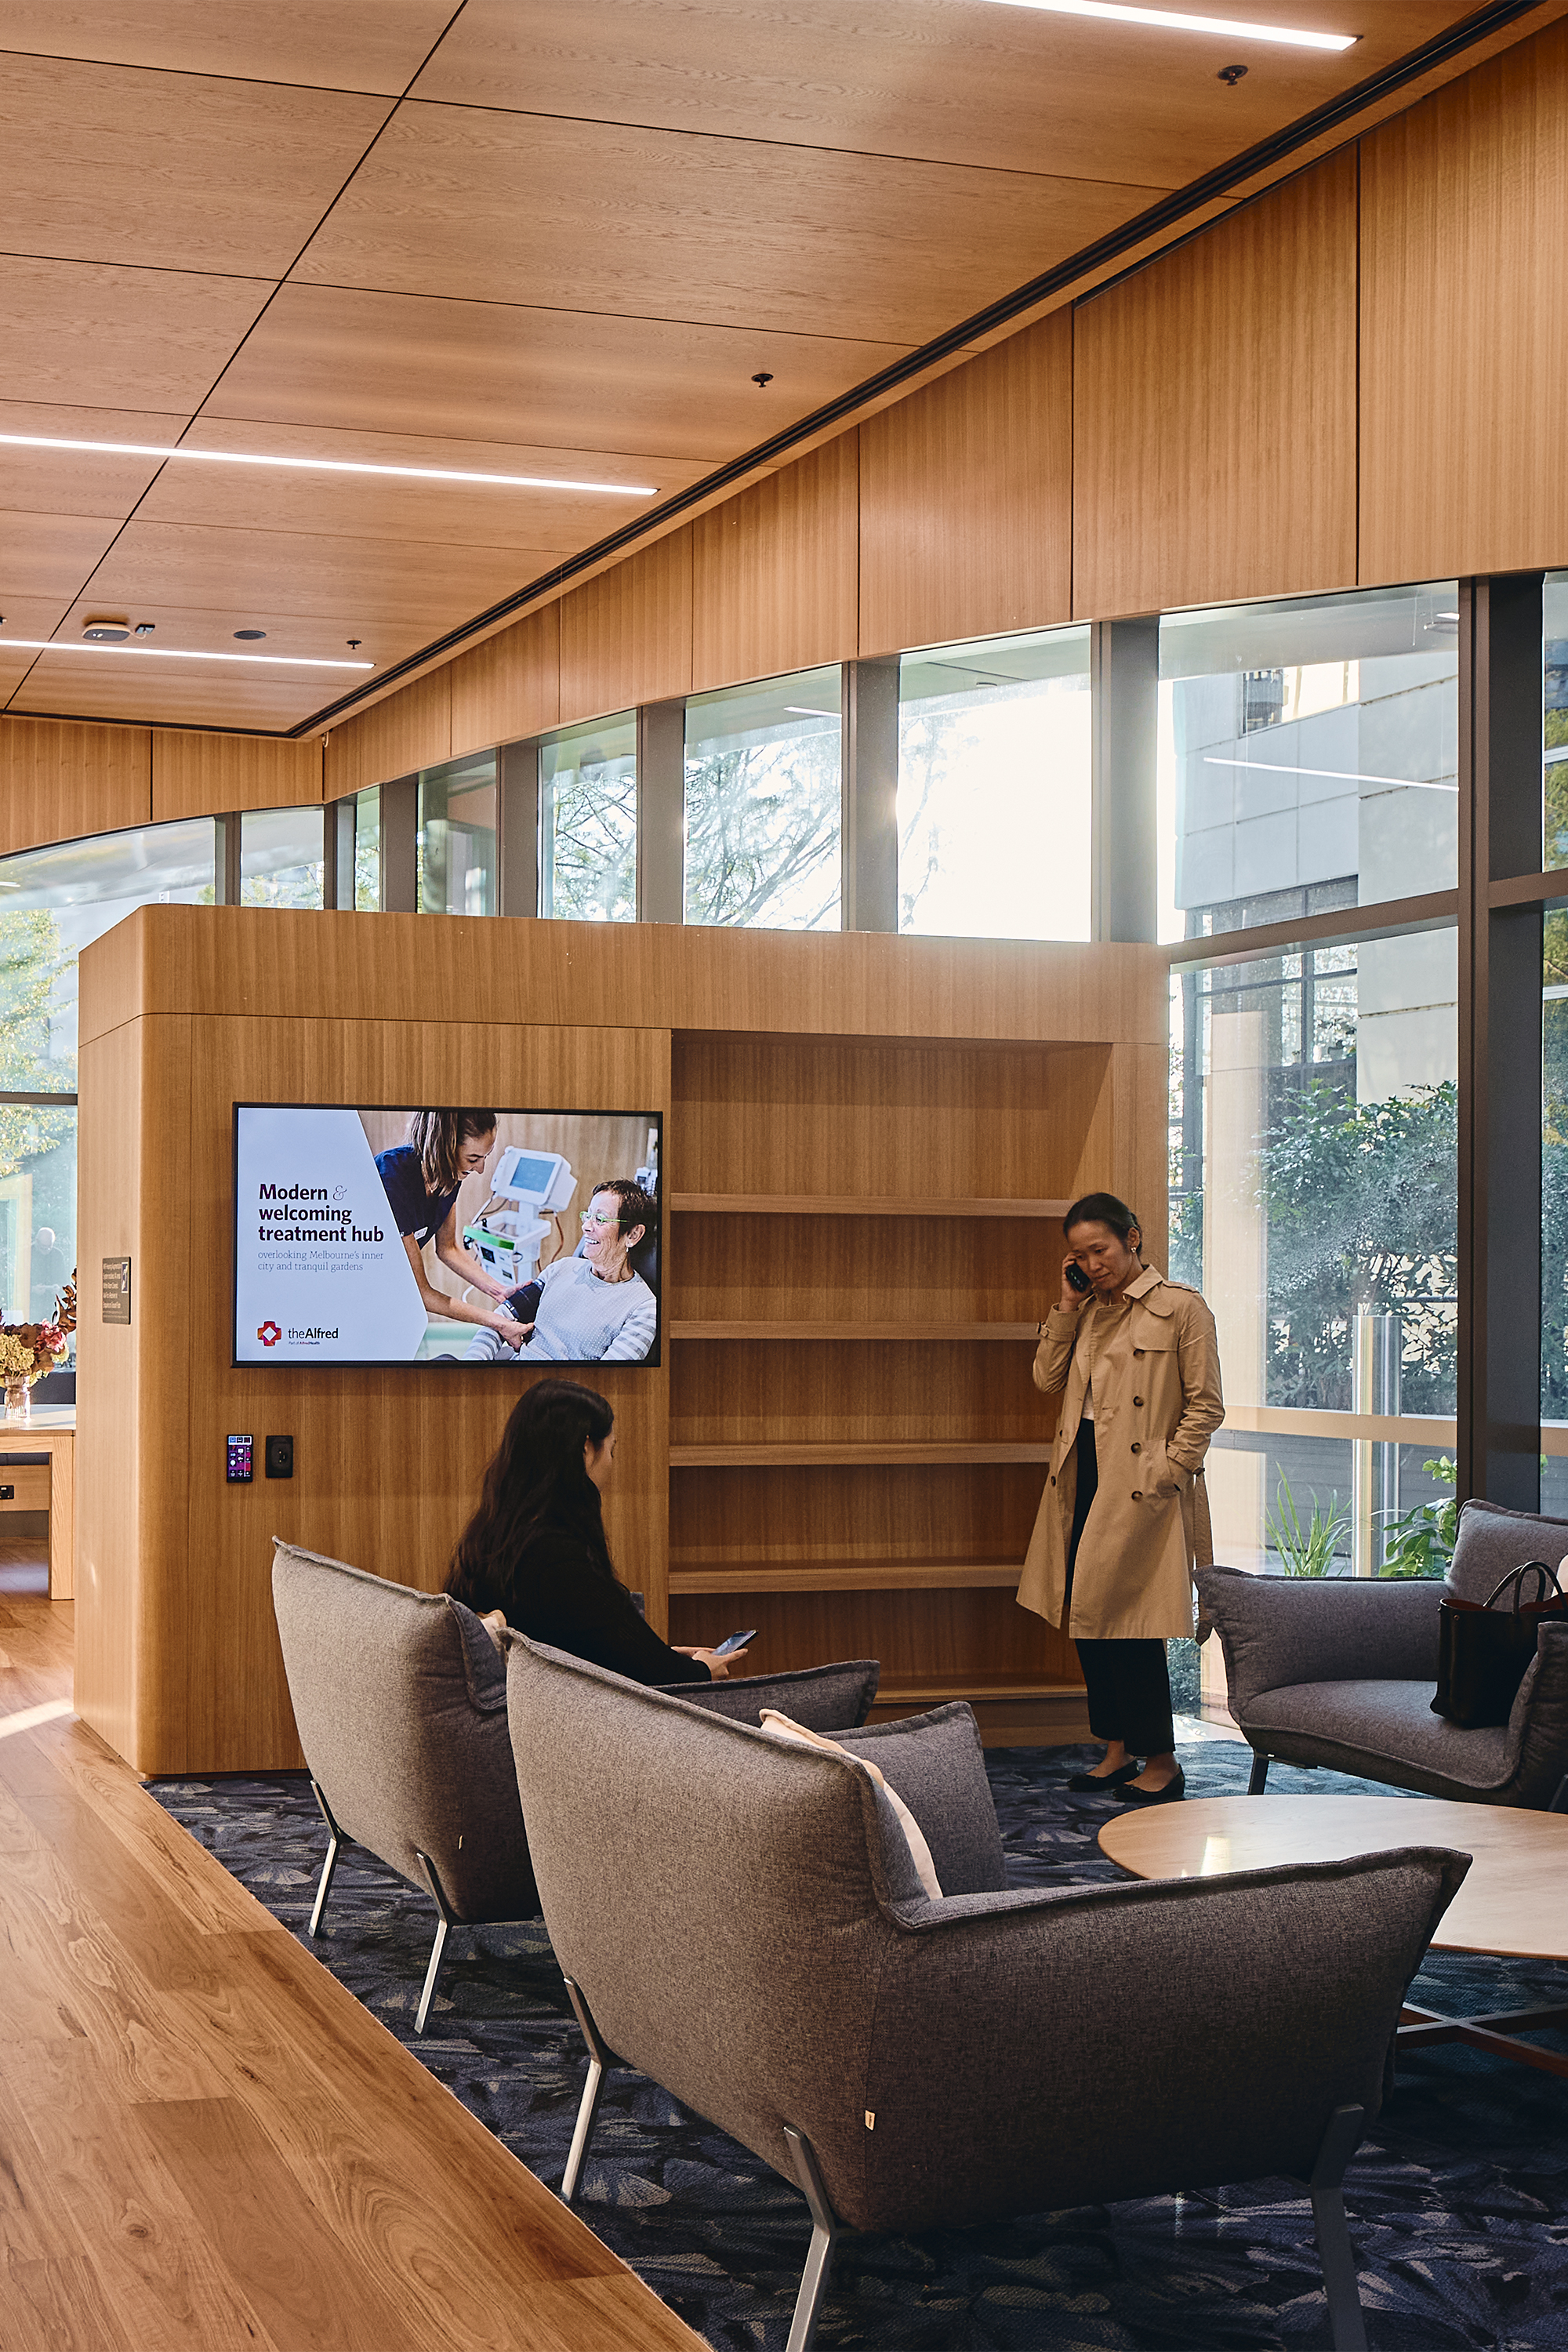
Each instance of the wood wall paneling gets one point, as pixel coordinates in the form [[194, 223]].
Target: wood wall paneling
[[1215, 411], [60, 779], [509, 686], [625, 636], [198, 774], [775, 573], [966, 498], [411, 730], [1464, 360]]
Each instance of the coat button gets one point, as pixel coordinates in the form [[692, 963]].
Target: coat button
[[1138, 1351], [1136, 1496], [1136, 1448], [1137, 1399], [1053, 1477]]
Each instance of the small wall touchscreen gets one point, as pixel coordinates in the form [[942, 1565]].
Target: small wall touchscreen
[[462, 1236]]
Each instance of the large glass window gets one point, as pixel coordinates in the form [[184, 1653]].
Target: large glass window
[[994, 788], [588, 822], [1314, 1188], [1555, 1215], [53, 903], [281, 857], [1308, 757], [367, 852], [765, 805], [1555, 717], [457, 846]]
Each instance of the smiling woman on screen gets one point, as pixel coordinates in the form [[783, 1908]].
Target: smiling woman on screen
[[422, 1179], [594, 1308]]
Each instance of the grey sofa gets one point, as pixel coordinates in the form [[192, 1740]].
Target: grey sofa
[[1340, 1672], [771, 1961], [400, 1702]]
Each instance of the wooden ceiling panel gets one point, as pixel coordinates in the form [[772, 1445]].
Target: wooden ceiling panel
[[44, 556], [945, 80], [386, 591], [463, 514], [367, 45], [484, 372], [81, 687], [69, 481], [84, 335], [171, 171], [657, 223]]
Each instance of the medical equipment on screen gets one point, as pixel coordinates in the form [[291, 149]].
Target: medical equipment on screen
[[648, 1174], [527, 1190]]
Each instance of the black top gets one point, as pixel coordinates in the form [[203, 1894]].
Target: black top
[[558, 1595], [417, 1211]]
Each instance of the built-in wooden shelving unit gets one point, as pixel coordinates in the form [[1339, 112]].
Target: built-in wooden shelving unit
[[857, 1450]]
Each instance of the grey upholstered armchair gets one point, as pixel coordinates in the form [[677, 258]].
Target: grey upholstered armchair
[[1340, 1672], [771, 1959], [400, 1701]]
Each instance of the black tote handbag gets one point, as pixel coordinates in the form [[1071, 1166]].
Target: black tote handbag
[[1483, 1651]]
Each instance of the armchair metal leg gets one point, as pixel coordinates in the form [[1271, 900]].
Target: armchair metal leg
[[1347, 2325], [334, 1841], [1259, 1774], [824, 2228], [599, 2058], [438, 1949]]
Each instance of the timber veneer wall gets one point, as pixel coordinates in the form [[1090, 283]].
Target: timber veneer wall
[[862, 1200]]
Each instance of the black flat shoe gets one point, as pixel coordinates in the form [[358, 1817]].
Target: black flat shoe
[[1166, 1796], [1087, 1780]]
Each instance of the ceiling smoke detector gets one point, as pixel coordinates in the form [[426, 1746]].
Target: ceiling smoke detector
[[106, 631]]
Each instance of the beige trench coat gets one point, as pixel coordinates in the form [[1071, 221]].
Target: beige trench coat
[[1156, 1404]]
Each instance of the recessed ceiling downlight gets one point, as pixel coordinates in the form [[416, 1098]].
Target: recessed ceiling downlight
[[106, 632], [1172, 20]]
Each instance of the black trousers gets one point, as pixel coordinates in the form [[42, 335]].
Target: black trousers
[[1128, 1681]]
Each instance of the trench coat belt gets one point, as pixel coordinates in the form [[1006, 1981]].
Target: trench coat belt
[[1203, 1526]]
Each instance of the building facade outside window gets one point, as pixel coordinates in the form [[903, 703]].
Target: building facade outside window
[[588, 822], [763, 817], [456, 851], [995, 788]]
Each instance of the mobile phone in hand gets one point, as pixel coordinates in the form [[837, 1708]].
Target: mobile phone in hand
[[1077, 1279], [733, 1641]]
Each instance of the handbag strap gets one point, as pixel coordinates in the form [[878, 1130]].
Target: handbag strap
[[1546, 1581]]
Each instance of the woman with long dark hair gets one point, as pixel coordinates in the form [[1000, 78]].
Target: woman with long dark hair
[[534, 1557], [422, 1177], [1134, 1360]]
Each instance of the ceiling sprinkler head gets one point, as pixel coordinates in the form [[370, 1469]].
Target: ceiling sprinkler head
[[762, 377], [1231, 74]]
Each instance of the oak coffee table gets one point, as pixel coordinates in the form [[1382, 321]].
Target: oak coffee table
[[1513, 1903]]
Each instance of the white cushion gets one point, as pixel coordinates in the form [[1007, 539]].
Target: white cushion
[[781, 1727]]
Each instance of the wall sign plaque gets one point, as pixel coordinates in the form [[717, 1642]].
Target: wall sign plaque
[[117, 1290]]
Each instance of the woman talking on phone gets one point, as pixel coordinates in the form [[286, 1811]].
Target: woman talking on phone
[[1135, 1361]]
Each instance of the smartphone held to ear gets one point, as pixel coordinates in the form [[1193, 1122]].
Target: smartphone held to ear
[[1077, 1280]]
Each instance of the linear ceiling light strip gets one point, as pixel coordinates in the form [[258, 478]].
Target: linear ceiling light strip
[[1174, 21], [326, 465], [177, 653]]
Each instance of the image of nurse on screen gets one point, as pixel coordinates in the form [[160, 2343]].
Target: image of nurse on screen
[[422, 1177]]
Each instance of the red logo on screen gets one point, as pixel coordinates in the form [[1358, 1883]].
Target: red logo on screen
[[268, 1333]]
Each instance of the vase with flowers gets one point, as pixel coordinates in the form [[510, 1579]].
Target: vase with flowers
[[28, 1351]]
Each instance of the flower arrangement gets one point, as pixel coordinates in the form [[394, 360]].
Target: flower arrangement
[[28, 1350]]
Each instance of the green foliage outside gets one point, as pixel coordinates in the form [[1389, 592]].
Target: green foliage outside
[[1309, 1550], [34, 1142], [763, 826], [1420, 1542], [591, 842]]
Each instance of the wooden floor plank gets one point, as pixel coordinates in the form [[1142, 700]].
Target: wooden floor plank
[[260, 2166], [60, 2306], [190, 1878], [159, 2274]]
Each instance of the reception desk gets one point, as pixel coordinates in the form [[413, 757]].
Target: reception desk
[[38, 1473]]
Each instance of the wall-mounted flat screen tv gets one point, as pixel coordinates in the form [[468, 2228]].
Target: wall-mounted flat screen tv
[[470, 1236]]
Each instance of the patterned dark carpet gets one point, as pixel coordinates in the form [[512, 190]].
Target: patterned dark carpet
[[1459, 2206]]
